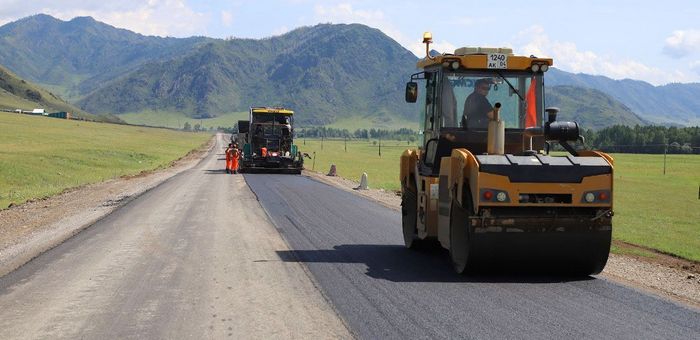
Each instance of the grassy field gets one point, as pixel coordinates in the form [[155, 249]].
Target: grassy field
[[384, 123], [361, 156], [42, 156], [656, 210], [177, 119], [651, 209]]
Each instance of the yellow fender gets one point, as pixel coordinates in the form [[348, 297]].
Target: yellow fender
[[464, 169], [409, 160], [593, 153]]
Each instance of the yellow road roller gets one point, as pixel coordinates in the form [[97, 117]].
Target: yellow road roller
[[498, 181]]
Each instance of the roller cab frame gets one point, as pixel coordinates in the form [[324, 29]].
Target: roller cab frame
[[267, 139], [494, 195]]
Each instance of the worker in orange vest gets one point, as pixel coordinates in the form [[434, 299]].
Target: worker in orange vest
[[229, 158], [235, 155]]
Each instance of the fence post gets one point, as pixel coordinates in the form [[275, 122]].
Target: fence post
[[313, 166], [346, 143], [380, 147], [665, 150]]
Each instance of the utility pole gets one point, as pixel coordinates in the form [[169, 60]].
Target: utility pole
[[665, 150]]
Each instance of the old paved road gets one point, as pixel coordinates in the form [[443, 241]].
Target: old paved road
[[193, 258], [354, 250]]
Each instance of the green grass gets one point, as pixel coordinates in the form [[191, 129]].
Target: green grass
[[652, 210], [42, 156], [178, 119], [12, 102], [656, 210], [362, 156], [385, 123]]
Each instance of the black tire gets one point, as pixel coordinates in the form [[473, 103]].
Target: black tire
[[460, 248], [409, 218]]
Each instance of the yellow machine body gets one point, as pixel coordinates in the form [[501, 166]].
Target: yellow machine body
[[522, 207]]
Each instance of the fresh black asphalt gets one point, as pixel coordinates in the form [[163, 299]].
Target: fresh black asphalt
[[353, 248]]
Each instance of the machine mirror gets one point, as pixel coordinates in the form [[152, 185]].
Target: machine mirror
[[411, 92]]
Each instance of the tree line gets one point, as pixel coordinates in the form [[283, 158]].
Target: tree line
[[613, 139], [328, 132], [645, 139]]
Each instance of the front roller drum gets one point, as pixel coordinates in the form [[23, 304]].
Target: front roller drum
[[409, 218], [460, 240], [576, 251], [565, 246]]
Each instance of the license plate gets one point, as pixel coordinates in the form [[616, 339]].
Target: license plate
[[497, 60]]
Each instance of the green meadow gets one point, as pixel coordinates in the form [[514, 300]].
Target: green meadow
[[41, 156], [652, 210], [177, 119], [656, 210], [387, 122]]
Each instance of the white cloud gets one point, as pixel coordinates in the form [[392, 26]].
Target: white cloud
[[473, 21], [695, 66], [568, 57], [152, 17], [280, 30], [226, 18], [345, 13], [682, 43]]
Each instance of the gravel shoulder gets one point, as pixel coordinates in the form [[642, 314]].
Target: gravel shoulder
[[663, 275], [34, 227]]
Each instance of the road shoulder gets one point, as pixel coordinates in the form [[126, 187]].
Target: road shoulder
[[28, 230]]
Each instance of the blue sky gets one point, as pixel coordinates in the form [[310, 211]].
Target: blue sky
[[658, 42]]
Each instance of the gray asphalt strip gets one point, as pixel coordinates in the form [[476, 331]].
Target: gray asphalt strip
[[354, 249]]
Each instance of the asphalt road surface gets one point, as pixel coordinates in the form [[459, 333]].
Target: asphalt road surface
[[193, 258], [354, 250]]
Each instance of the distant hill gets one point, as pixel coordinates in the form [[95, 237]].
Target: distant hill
[[16, 93], [74, 57], [326, 72], [591, 108], [667, 104]]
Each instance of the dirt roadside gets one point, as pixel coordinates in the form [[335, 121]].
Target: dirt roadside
[[663, 275], [29, 229]]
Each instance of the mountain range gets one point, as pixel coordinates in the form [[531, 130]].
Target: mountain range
[[667, 104], [327, 72]]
